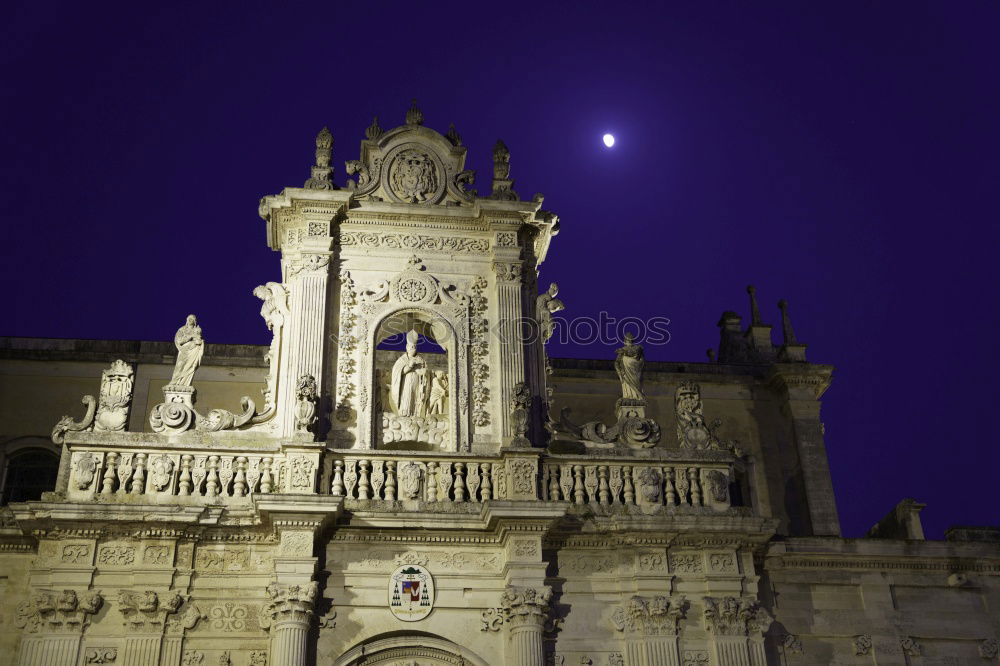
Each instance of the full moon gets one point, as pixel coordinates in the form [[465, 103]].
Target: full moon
[[609, 140]]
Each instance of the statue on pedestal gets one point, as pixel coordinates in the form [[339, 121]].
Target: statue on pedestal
[[190, 349], [628, 365]]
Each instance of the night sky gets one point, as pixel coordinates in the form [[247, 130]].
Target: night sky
[[843, 156]]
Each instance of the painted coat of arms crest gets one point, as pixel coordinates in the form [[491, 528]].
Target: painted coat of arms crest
[[411, 593]]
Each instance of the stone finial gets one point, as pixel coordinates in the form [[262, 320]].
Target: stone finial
[[373, 131], [787, 333], [414, 116], [755, 319], [453, 135], [322, 171], [503, 186]]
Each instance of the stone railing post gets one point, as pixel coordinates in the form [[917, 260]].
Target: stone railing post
[[526, 610]]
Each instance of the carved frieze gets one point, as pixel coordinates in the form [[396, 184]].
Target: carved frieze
[[422, 242]]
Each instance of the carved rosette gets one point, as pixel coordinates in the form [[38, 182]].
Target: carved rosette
[[289, 604], [734, 616], [526, 606], [656, 616], [58, 612]]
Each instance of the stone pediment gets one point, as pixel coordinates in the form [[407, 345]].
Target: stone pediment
[[411, 164]]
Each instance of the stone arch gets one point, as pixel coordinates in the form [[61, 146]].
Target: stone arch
[[439, 323], [28, 467], [424, 649]]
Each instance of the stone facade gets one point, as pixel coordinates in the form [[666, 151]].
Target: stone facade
[[331, 499]]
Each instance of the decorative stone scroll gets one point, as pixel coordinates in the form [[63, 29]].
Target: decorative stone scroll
[[424, 243], [67, 424], [480, 351], [57, 611], [347, 343], [656, 616]]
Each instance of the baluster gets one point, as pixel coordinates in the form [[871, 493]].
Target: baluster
[[459, 482], [351, 477], [378, 479], [108, 484], [390, 481], [668, 475], [337, 487], [363, 479], [139, 476], [553, 471], [432, 488], [695, 486], [444, 482], [240, 483], [212, 483], [225, 475], [124, 473], [184, 483], [566, 482], [682, 485], [487, 493], [472, 482], [616, 483], [603, 492], [629, 489], [578, 484], [590, 483], [253, 475], [266, 478]]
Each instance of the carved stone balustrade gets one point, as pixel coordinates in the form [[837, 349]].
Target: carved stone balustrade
[[676, 482], [199, 470], [434, 477]]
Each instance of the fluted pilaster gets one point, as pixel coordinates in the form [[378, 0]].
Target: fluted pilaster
[[510, 350], [307, 280], [287, 616], [526, 610]]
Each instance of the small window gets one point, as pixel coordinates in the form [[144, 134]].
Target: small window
[[29, 474]]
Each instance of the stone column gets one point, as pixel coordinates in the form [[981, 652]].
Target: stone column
[[801, 386], [651, 627], [51, 650], [526, 610], [510, 350], [306, 276], [54, 624], [737, 627], [288, 615]]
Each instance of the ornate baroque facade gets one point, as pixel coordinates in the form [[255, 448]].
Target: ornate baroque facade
[[416, 503]]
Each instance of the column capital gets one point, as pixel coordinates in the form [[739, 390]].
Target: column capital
[[526, 606], [62, 612], [289, 604], [734, 616], [798, 381]]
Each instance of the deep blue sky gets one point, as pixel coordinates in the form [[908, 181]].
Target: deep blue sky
[[841, 155]]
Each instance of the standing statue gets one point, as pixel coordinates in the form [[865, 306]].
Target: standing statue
[[628, 365], [439, 391], [274, 310], [547, 305], [409, 380], [190, 348]]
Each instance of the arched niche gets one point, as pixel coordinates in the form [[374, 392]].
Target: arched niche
[[420, 648], [435, 323]]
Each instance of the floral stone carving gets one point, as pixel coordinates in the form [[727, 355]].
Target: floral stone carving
[[305, 408], [57, 611], [657, 616], [526, 605], [732, 616]]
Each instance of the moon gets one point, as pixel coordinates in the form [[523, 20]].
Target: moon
[[609, 140]]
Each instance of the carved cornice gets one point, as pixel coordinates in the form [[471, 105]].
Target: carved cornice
[[798, 381]]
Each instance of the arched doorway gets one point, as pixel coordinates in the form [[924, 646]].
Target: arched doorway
[[409, 650]]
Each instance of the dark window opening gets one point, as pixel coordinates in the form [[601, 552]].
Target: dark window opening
[[29, 474]]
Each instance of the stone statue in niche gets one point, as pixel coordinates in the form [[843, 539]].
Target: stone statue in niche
[[439, 391], [416, 406], [547, 305], [409, 380], [190, 348], [628, 365]]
